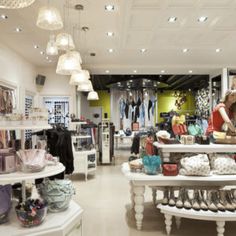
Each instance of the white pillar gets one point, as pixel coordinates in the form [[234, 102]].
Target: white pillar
[[224, 81], [210, 93]]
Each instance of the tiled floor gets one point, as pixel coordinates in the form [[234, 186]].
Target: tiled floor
[[106, 203]]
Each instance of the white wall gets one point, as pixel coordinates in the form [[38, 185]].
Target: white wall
[[18, 73], [57, 85]]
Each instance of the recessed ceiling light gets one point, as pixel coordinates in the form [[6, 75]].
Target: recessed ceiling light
[[135, 71], [50, 61], [110, 34], [110, 50], [18, 29], [109, 7], [131, 81], [218, 50], [36, 46], [185, 50], [107, 71], [172, 19], [142, 50], [189, 90], [4, 17], [190, 71], [47, 58], [162, 71], [202, 18], [42, 52]]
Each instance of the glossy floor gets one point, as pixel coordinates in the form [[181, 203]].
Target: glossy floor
[[106, 202]]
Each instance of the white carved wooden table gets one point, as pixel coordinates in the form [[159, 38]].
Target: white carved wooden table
[[219, 217], [138, 181]]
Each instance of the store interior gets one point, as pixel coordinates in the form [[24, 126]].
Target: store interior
[[106, 117]]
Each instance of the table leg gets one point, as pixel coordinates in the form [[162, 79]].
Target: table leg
[[154, 195], [168, 222], [177, 221], [132, 194], [139, 205], [220, 227]]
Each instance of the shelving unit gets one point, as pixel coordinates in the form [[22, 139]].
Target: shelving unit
[[67, 223], [105, 150], [85, 161]]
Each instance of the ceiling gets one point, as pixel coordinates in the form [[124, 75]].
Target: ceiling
[[137, 24]]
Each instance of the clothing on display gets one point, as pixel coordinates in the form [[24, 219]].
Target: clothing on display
[[7, 100]]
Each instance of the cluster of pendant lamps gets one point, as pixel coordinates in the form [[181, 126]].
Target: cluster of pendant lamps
[[69, 63]]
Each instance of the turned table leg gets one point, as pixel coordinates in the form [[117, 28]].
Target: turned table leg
[[154, 195], [177, 221], [168, 222], [132, 194], [139, 205], [220, 227]]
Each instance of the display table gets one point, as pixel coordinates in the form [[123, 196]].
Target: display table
[[219, 217], [66, 223], [121, 138], [138, 181]]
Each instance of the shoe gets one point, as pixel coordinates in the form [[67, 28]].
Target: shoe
[[202, 201], [171, 197], [179, 202], [195, 200], [210, 203], [187, 203], [225, 200], [216, 200], [165, 199]]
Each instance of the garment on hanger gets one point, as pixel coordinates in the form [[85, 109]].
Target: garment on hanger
[[149, 108], [137, 110], [127, 109], [122, 105]]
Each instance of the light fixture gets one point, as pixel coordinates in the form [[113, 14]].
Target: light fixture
[[185, 50], [47, 58], [79, 78], [85, 87], [172, 19], [110, 34], [18, 29], [162, 71], [218, 50], [64, 41], [135, 71], [109, 7], [93, 95], [110, 50], [107, 71], [69, 63], [190, 71], [202, 18], [142, 50], [42, 52], [15, 4], [4, 17], [49, 18], [52, 49], [36, 46]]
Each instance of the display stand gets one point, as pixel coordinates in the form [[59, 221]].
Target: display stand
[[85, 161], [106, 159]]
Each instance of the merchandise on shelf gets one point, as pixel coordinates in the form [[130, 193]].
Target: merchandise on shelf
[[5, 202], [7, 161]]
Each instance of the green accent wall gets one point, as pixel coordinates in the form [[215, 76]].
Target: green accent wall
[[104, 102], [166, 103]]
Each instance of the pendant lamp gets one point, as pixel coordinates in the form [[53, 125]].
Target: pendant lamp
[[49, 18], [69, 63], [15, 4], [64, 41], [52, 49], [85, 87], [79, 78], [93, 95]]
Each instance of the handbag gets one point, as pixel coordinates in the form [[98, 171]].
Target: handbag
[[170, 169], [5, 202]]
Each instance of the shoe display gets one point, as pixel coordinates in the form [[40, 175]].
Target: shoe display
[[202, 201], [209, 201], [216, 200], [225, 200], [165, 199], [195, 200], [171, 201], [187, 202], [180, 199]]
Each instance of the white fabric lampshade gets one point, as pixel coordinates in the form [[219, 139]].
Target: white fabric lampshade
[[93, 95], [15, 4], [51, 49], [79, 78], [64, 41], [85, 87], [49, 18], [69, 63]]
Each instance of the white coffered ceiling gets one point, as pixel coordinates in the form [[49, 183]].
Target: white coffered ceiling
[[137, 24]]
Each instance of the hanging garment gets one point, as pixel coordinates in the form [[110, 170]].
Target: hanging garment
[[142, 114], [127, 109], [135, 145], [122, 105], [149, 108], [153, 104], [137, 108]]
